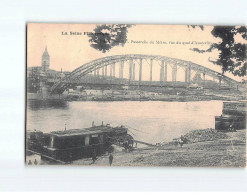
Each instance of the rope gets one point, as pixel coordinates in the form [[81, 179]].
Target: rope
[[132, 133], [136, 129]]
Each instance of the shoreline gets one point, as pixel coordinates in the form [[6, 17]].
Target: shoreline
[[229, 151], [135, 100]]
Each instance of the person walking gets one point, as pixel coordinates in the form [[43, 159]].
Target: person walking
[[35, 162], [94, 156], [110, 159]]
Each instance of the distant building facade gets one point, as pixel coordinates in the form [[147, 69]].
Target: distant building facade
[[45, 63], [43, 73]]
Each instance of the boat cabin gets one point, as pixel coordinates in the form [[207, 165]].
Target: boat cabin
[[73, 144], [233, 116]]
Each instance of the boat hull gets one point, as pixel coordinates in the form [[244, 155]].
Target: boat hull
[[224, 123]]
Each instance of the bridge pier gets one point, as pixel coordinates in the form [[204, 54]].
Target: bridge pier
[[140, 71], [130, 69], [106, 72], [174, 72], [113, 69], [97, 72], [121, 69], [165, 76], [162, 71], [204, 77], [186, 75], [134, 70], [189, 74], [151, 70], [103, 72]]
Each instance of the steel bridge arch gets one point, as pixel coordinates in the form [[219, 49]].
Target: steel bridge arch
[[86, 68]]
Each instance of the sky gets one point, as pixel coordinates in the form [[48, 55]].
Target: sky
[[71, 51]]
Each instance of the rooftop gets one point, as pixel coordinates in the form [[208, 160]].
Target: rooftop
[[86, 131]]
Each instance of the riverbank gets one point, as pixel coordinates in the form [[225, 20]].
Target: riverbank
[[229, 151], [165, 93]]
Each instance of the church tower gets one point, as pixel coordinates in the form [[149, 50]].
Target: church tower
[[45, 63]]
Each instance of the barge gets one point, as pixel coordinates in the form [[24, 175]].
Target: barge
[[233, 116], [74, 144]]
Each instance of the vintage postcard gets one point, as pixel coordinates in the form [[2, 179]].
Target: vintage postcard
[[136, 95]]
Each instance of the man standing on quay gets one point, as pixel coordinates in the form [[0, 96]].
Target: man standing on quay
[[110, 159]]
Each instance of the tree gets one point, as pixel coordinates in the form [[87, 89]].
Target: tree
[[232, 54], [107, 36]]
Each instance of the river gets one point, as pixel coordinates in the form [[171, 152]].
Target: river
[[153, 122]]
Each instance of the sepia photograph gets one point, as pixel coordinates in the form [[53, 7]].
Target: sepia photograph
[[121, 96], [135, 95]]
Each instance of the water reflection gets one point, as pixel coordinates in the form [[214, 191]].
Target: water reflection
[[149, 121], [46, 104]]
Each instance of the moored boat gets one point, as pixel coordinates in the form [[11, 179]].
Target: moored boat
[[73, 144], [233, 116]]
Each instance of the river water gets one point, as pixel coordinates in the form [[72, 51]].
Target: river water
[[153, 122]]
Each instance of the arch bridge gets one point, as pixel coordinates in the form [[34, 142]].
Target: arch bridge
[[100, 66]]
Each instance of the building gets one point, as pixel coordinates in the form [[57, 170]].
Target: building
[[43, 73], [45, 62]]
